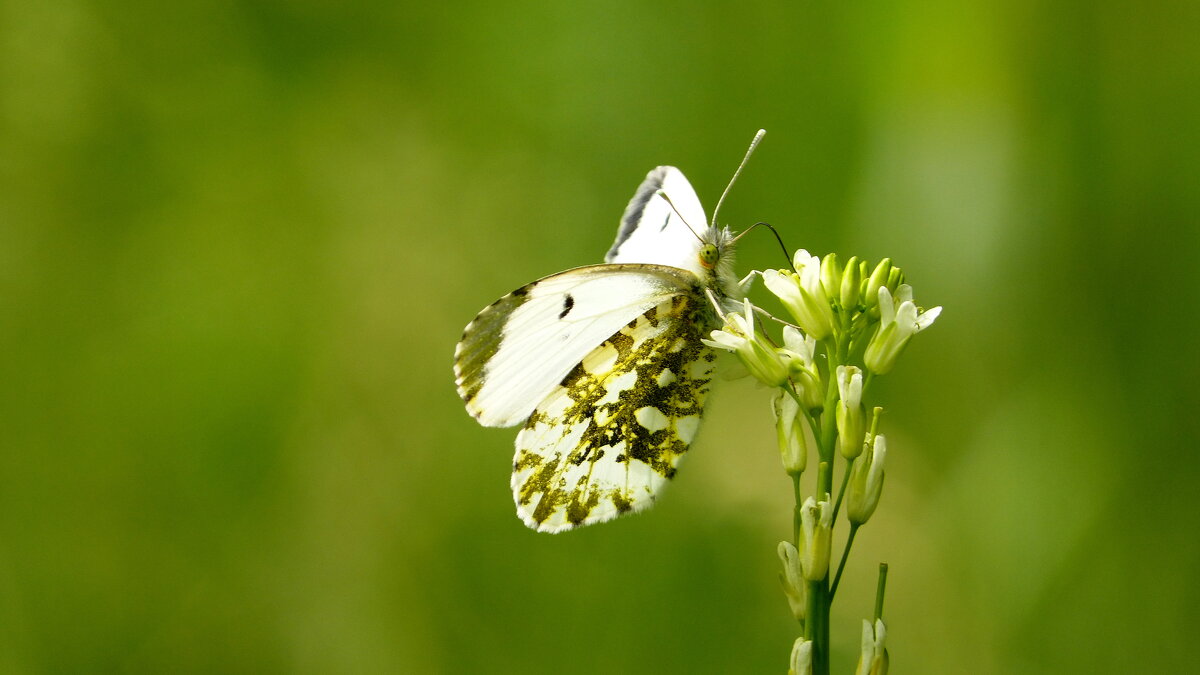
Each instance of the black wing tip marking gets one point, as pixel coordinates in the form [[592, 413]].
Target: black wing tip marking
[[633, 213], [479, 342]]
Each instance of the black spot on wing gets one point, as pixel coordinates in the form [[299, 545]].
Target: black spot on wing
[[633, 213], [568, 303]]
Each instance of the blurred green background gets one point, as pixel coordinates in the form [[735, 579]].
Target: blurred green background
[[238, 243]]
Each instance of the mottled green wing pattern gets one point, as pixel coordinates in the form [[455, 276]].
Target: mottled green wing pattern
[[606, 440]]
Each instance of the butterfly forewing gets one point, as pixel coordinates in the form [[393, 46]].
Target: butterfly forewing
[[520, 347], [661, 230], [609, 436]]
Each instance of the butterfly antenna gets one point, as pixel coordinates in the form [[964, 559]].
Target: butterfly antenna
[[671, 204], [777, 238], [750, 151]]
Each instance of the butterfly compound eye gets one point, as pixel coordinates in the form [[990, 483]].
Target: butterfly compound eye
[[708, 255]]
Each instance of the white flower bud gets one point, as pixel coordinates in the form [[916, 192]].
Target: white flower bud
[[873, 658], [789, 431], [803, 369], [851, 425], [794, 586], [831, 275], [851, 281], [801, 660], [878, 279], [866, 481], [816, 531]]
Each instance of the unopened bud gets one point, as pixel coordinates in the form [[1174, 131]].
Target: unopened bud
[[878, 278], [895, 279], [794, 586], [816, 531], [801, 659], [789, 432], [831, 275], [866, 481], [804, 373], [873, 658], [851, 425], [851, 280]]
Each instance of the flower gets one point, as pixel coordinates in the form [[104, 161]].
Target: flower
[[866, 481], [896, 325], [798, 351], [789, 431], [801, 660], [816, 531], [794, 586], [803, 294], [850, 422], [873, 659], [760, 358]]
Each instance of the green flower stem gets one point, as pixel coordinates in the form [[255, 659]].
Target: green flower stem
[[811, 630], [837, 578], [819, 598], [883, 570], [842, 490], [827, 441], [796, 511], [816, 627]]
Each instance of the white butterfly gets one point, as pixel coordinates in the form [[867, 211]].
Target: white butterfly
[[604, 363]]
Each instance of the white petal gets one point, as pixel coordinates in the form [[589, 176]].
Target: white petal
[[723, 340], [795, 341], [928, 317], [906, 319], [781, 285], [887, 310], [749, 315], [856, 384]]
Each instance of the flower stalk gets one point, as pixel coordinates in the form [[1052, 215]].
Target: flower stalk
[[846, 324]]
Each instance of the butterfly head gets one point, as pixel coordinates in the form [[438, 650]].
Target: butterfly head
[[715, 257]]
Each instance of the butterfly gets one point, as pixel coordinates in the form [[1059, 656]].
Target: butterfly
[[603, 365]]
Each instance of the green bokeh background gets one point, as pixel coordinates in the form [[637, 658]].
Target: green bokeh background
[[238, 242]]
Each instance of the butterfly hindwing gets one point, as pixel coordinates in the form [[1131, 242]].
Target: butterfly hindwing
[[609, 436]]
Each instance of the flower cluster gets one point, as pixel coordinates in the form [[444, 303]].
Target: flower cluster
[[845, 324]]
